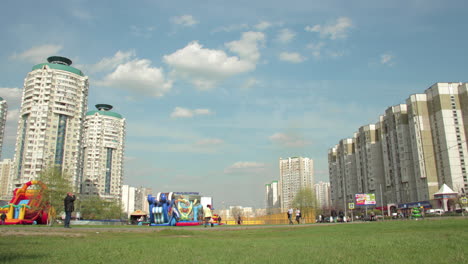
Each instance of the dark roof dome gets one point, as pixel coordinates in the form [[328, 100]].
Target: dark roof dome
[[59, 60]]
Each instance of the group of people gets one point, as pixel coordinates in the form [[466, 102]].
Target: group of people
[[298, 215]]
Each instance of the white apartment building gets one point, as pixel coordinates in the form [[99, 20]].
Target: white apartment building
[[271, 195], [103, 152], [3, 117], [296, 173], [134, 198], [49, 134], [322, 194], [5, 166], [408, 155]]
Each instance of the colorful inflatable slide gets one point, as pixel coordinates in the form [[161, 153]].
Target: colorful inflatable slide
[[27, 206]]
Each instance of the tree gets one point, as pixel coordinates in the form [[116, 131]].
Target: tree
[[306, 202], [57, 187], [96, 208]]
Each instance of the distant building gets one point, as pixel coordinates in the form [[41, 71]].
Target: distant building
[[322, 194], [134, 198], [271, 195], [3, 117], [295, 173], [54, 102], [5, 166], [103, 152], [409, 154]]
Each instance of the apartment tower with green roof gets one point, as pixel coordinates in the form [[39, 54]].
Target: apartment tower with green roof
[[50, 126], [103, 152]]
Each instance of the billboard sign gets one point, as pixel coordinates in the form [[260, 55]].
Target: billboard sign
[[365, 199]]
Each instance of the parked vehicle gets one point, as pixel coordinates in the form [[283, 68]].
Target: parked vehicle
[[435, 211]]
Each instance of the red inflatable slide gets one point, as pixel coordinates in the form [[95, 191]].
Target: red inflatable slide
[[27, 205]]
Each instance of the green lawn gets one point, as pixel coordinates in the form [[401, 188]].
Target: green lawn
[[426, 241]]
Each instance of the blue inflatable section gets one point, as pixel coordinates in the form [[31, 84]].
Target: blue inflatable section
[[163, 212]]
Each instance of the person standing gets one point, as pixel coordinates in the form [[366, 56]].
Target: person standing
[[207, 215], [69, 208], [298, 216], [290, 212], [2, 218]]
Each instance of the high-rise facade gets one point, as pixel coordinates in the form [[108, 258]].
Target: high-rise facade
[[3, 117], [5, 166], [296, 173], [271, 195], [322, 194], [408, 155], [49, 134], [103, 152]]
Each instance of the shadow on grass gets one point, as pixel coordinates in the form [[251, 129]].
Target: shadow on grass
[[20, 257]]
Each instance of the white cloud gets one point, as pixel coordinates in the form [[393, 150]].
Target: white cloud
[[187, 113], [185, 20], [387, 59], [263, 25], [316, 49], [12, 96], [109, 64], [336, 30], [144, 32], [249, 83], [230, 28], [81, 14], [285, 36], [292, 57], [288, 140], [13, 115], [138, 76], [247, 46], [245, 167], [206, 67], [38, 54]]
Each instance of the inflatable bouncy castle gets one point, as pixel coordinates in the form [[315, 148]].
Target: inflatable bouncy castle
[[27, 205], [175, 209]]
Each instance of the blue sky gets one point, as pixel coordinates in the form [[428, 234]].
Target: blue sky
[[215, 92]]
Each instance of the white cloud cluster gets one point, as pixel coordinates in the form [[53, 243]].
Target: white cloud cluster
[[12, 97], [38, 54], [292, 57], [187, 113], [249, 83], [245, 166], [337, 30], [288, 140], [285, 36], [316, 48], [262, 25], [107, 64], [386, 59], [138, 76], [206, 67], [185, 20]]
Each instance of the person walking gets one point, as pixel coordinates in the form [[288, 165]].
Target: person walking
[[290, 212], [69, 208], [207, 214], [298, 216]]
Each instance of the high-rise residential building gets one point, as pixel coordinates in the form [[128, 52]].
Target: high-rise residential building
[[296, 173], [322, 194], [134, 198], [408, 155], [103, 152], [3, 117], [271, 195], [5, 166], [49, 134]]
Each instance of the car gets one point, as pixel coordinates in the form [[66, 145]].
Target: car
[[435, 211]]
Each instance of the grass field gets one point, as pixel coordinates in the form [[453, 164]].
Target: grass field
[[426, 241]]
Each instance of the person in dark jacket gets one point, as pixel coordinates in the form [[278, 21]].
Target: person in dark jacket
[[69, 208]]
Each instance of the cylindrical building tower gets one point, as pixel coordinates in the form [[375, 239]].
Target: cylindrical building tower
[[54, 103], [103, 149]]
